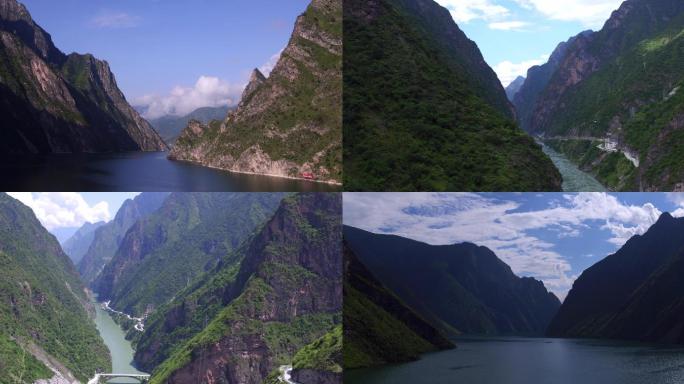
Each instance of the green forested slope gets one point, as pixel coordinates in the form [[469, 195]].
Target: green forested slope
[[42, 303], [422, 111], [164, 252]]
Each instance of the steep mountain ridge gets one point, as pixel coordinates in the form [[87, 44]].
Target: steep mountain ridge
[[378, 327], [422, 109], [45, 328], [514, 87], [634, 294], [241, 321], [77, 245], [56, 103], [459, 287], [613, 104], [106, 239], [289, 124], [164, 251]]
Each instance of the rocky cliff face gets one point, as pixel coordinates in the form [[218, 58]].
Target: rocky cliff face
[[613, 99], [45, 330], [538, 77], [488, 299], [291, 123], [106, 239], [633, 294], [56, 103], [285, 293], [422, 109]]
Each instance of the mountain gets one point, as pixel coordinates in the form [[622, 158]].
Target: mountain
[[514, 87], [378, 327], [45, 328], [170, 127], [77, 245], [289, 124], [166, 250], [422, 109], [278, 292], [537, 79], [634, 294], [459, 287], [56, 103], [613, 105], [321, 361], [107, 238]]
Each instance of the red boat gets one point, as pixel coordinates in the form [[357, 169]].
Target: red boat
[[308, 176]]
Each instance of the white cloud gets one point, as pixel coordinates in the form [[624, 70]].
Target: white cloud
[[270, 64], [509, 25], [207, 92], [509, 71], [464, 11], [113, 20], [64, 209], [591, 13], [483, 220]]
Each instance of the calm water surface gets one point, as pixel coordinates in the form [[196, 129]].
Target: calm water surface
[[574, 179], [134, 171], [535, 361], [119, 347]]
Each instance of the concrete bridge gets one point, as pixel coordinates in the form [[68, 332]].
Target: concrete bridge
[[143, 378]]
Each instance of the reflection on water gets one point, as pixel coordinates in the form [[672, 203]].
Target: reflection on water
[[134, 171], [535, 360], [119, 347], [574, 179]]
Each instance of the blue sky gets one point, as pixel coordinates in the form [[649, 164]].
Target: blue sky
[[551, 236], [513, 35], [64, 212], [157, 48]]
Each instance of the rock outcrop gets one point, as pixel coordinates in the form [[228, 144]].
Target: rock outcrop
[[289, 124], [57, 103]]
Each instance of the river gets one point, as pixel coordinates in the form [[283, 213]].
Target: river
[[574, 179], [135, 171], [119, 347], [513, 360]]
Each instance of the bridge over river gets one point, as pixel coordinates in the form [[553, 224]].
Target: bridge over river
[[143, 378]]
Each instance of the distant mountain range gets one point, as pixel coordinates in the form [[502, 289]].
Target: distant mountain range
[[77, 245], [423, 110], [56, 103], [170, 127], [634, 294], [108, 237], [611, 100], [289, 124], [514, 87]]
